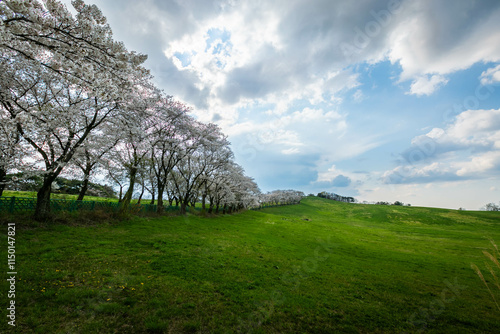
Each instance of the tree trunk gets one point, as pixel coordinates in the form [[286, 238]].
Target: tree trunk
[[120, 198], [183, 207], [42, 209], [85, 185], [203, 204], [3, 174], [142, 193], [152, 198], [161, 188], [128, 195], [86, 176]]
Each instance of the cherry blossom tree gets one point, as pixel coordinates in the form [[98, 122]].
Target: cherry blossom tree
[[282, 197], [169, 133], [92, 154], [134, 148], [63, 77], [231, 189], [205, 152], [10, 148], [116, 173], [54, 118], [79, 49]]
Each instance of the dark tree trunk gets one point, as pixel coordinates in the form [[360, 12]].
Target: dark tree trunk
[[161, 188], [152, 198], [85, 185], [128, 195], [203, 203], [3, 174], [211, 205], [120, 198], [142, 193], [86, 176], [42, 209], [183, 206]]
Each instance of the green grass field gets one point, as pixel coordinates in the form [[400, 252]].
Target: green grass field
[[10, 193], [317, 267]]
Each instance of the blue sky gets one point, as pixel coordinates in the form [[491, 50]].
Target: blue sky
[[380, 100]]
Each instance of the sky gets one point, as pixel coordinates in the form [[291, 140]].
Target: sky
[[382, 100]]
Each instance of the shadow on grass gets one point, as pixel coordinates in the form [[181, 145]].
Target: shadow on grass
[[25, 220]]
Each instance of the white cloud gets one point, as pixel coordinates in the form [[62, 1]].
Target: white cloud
[[490, 76], [414, 174], [435, 38], [358, 96], [292, 131], [289, 49], [269, 58], [426, 84], [331, 174], [469, 148], [480, 164], [474, 129], [293, 150]]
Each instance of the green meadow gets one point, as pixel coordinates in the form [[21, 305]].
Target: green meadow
[[318, 267], [10, 193]]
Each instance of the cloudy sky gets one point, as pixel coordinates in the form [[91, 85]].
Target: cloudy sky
[[380, 100]]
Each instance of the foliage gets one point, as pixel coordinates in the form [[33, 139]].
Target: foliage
[[62, 77], [73, 186], [336, 197], [492, 207], [20, 182]]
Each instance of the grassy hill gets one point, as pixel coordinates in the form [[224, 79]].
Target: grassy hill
[[317, 267]]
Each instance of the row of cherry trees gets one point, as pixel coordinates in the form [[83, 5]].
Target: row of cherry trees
[[73, 100], [281, 197]]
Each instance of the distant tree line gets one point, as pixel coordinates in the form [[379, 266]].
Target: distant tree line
[[336, 197], [397, 203], [348, 199], [492, 207]]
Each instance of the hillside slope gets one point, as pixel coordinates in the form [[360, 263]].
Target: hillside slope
[[317, 267]]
